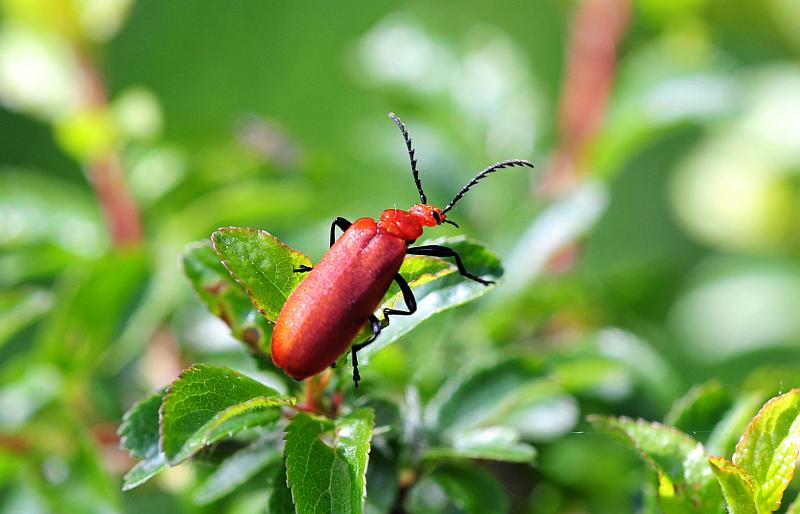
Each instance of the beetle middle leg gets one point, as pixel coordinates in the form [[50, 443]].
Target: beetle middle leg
[[411, 305], [443, 251]]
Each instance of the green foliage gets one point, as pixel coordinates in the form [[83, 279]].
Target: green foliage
[[225, 298], [685, 482], [700, 409], [737, 486], [262, 264], [237, 469], [752, 482], [280, 500], [325, 458], [204, 405], [768, 450], [140, 435], [326, 461], [653, 248], [208, 403], [461, 487]]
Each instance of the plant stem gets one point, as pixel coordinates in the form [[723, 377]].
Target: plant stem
[[105, 171]]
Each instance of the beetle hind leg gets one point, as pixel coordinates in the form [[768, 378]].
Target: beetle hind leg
[[376, 329], [411, 305]]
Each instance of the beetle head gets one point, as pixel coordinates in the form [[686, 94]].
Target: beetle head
[[427, 215]]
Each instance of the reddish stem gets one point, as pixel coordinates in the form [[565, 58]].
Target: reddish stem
[[105, 172], [596, 30]]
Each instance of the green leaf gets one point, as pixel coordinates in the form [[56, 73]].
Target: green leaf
[[445, 291], [417, 270], [20, 308], [727, 432], [794, 508], [84, 484], [93, 303], [700, 409], [280, 498], [238, 469], [472, 398], [32, 263], [513, 393], [208, 403], [37, 208], [33, 389], [685, 479], [326, 461], [139, 428], [224, 297], [461, 486], [645, 365], [262, 264], [139, 435], [492, 443], [144, 471], [769, 448], [737, 486]]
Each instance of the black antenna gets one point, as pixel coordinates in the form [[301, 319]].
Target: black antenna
[[414, 170], [494, 167]]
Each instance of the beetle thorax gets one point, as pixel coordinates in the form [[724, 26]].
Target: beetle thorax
[[408, 225]]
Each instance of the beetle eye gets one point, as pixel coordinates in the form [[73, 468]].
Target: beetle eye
[[437, 218]]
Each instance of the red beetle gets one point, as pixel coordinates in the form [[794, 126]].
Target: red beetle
[[340, 294]]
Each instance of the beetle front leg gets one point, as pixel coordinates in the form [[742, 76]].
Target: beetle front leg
[[443, 251], [343, 225]]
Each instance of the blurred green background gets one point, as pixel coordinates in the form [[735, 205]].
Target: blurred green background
[[655, 247]]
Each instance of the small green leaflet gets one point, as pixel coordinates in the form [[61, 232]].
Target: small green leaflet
[[139, 435], [769, 447], [225, 298], [326, 461], [737, 486], [208, 403], [262, 264]]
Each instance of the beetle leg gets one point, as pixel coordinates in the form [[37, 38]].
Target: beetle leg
[[443, 251], [411, 305], [302, 269], [376, 329], [343, 225], [408, 297]]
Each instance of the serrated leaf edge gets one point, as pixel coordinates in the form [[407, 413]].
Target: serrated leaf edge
[[665, 482], [723, 465], [213, 422], [224, 261], [122, 430], [747, 434], [322, 419]]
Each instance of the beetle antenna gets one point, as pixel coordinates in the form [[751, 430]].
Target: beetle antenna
[[414, 170], [450, 222], [494, 167]]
